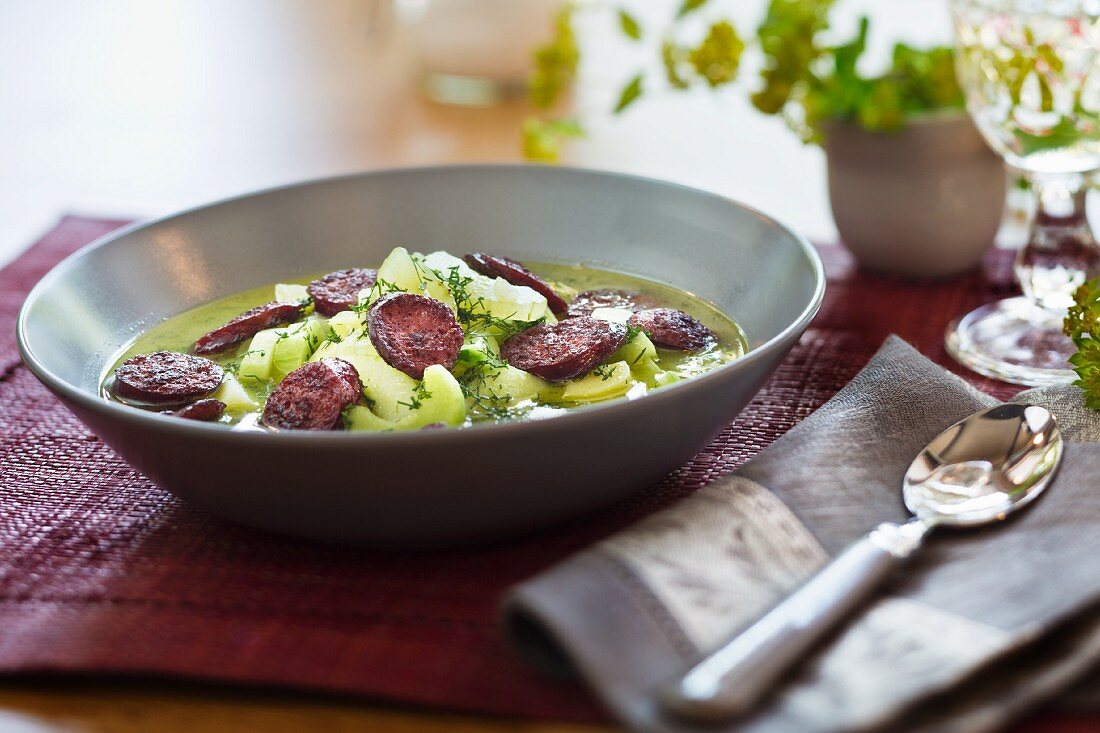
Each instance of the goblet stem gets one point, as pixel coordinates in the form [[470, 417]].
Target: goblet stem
[[1020, 339], [1061, 251]]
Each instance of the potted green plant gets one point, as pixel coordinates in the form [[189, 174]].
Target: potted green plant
[[913, 188]]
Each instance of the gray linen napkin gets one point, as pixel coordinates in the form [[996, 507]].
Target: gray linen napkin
[[1011, 611]]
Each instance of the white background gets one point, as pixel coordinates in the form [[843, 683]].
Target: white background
[[138, 108]]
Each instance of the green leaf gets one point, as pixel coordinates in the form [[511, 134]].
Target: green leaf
[[542, 139], [689, 6], [719, 55], [629, 94], [1082, 324], [788, 39], [673, 56], [566, 128], [808, 82], [556, 62], [629, 25], [1063, 134]]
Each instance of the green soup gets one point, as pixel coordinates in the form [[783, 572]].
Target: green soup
[[481, 387]]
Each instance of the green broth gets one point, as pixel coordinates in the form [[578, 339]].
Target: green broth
[[180, 332]]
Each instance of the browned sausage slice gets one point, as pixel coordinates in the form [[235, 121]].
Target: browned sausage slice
[[590, 300], [673, 329], [312, 396], [347, 372], [166, 378], [339, 291], [412, 332], [515, 273], [247, 325], [564, 350], [205, 410]]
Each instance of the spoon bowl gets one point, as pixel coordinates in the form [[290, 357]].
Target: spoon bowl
[[984, 467]]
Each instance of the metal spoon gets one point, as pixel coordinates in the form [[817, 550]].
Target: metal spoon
[[976, 472]]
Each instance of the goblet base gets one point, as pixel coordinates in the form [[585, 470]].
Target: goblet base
[[1015, 341]]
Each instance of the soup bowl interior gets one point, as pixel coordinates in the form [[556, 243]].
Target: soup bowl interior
[[432, 487]]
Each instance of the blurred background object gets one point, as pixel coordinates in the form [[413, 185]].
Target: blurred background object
[[132, 108], [129, 108], [474, 52], [913, 190], [923, 202]]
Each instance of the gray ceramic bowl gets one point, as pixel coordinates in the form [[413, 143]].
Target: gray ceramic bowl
[[430, 487]]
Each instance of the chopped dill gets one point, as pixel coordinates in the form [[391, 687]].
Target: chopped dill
[[381, 288], [604, 372], [476, 383], [420, 394], [472, 312], [423, 273]]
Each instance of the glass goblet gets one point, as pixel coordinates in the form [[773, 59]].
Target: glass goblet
[[1031, 73]]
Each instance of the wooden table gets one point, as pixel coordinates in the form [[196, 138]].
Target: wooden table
[[98, 707], [132, 108]]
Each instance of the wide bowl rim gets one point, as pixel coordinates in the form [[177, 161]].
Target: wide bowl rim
[[139, 418]]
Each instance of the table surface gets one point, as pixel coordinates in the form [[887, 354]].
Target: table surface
[[130, 108]]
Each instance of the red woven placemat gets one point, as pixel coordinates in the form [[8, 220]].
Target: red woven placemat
[[102, 571]]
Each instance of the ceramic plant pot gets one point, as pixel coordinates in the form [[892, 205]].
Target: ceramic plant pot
[[924, 202]]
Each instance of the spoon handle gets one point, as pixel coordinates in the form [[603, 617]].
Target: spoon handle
[[730, 681]]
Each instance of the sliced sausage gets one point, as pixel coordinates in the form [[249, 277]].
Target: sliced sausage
[[313, 396], [564, 350], [673, 329], [412, 332], [347, 372], [590, 300], [339, 291], [515, 273], [166, 378], [247, 325], [205, 410]]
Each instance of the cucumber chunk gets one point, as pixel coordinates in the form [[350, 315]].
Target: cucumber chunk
[[566, 292], [296, 343], [478, 349], [640, 353], [403, 272], [438, 399], [361, 419], [612, 315], [390, 391], [443, 263], [486, 301], [489, 382], [501, 386], [236, 398], [343, 325], [256, 364], [291, 293], [519, 385], [607, 381], [663, 379]]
